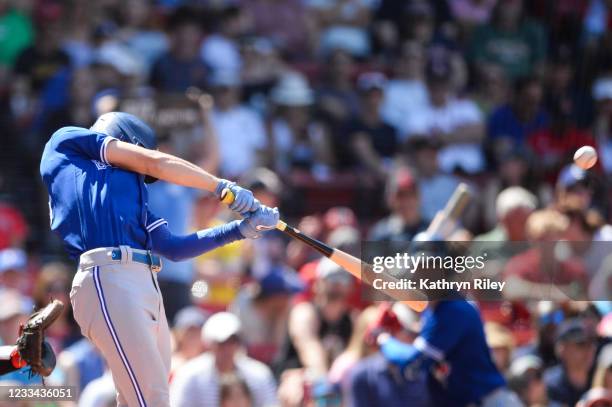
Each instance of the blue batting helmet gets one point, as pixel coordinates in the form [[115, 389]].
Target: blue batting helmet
[[128, 128]]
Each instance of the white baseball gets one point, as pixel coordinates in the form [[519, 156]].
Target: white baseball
[[585, 157]]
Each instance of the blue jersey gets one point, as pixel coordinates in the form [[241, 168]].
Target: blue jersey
[[93, 204], [452, 347], [452, 333]]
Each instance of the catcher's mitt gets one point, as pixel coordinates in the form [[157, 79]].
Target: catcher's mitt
[[31, 345]]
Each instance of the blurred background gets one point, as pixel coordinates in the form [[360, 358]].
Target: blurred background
[[358, 118]]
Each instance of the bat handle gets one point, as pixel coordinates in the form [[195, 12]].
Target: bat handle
[[227, 196]]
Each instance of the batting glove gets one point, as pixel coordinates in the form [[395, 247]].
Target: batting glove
[[265, 218], [244, 201]]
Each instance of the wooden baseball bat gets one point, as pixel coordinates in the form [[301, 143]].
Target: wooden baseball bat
[[348, 262], [445, 221]]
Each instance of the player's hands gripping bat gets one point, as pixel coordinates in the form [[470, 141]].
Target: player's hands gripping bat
[[31, 346]]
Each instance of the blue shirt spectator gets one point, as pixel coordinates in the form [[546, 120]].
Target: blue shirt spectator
[[375, 382]]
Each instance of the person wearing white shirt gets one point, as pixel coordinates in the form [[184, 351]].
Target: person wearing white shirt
[[197, 384], [240, 130], [457, 123], [406, 93]]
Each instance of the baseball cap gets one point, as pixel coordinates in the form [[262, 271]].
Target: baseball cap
[[262, 178], [512, 198], [522, 364], [331, 272], [371, 80], [189, 317], [279, 281], [220, 327], [574, 330], [571, 175], [13, 304], [12, 259], [292, 90]]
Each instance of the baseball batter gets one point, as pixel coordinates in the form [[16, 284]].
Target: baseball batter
[[96, 179]]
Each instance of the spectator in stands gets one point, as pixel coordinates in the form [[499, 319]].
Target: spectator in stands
[[471, 13], [78, 111], [186, 332], [405, 221], [374, 381], [554, 145], [575, 347], [501, 343], [19, 32], [457, 123], [510, 40], [573, 190], [54, 281], [369, 140], [199, 381], [525, 379], [406, 93], [512, 208], [435, 186], [343, 25], [80, 364], [100, 392], [262, 307], [286, 22], [563, 87], [320, 329], [510, 125], [235, 125], [181, 66], [139, 34], [491, 88], [336, 96], [13, 226], [262, 65], [220, 48], [602, 124], [43, 60], [13, 273], [359, 347], [537, 273], [234, 392], [299, 142]]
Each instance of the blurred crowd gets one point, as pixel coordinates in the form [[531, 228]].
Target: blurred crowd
[[357, 118]]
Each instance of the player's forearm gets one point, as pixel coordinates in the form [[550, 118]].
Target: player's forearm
[[159, 165], [179, 248], [178, 171]]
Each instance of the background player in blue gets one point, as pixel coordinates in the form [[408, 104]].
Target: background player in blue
[[451, 348], [98, 205]]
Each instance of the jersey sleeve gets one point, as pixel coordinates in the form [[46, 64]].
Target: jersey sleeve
[[82, 142], [154, 221]]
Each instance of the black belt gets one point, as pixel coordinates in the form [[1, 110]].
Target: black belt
[[153, 261]]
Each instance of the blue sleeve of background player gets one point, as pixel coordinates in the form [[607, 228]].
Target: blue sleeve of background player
[[178, 248], [440, 333], [81, 142]]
